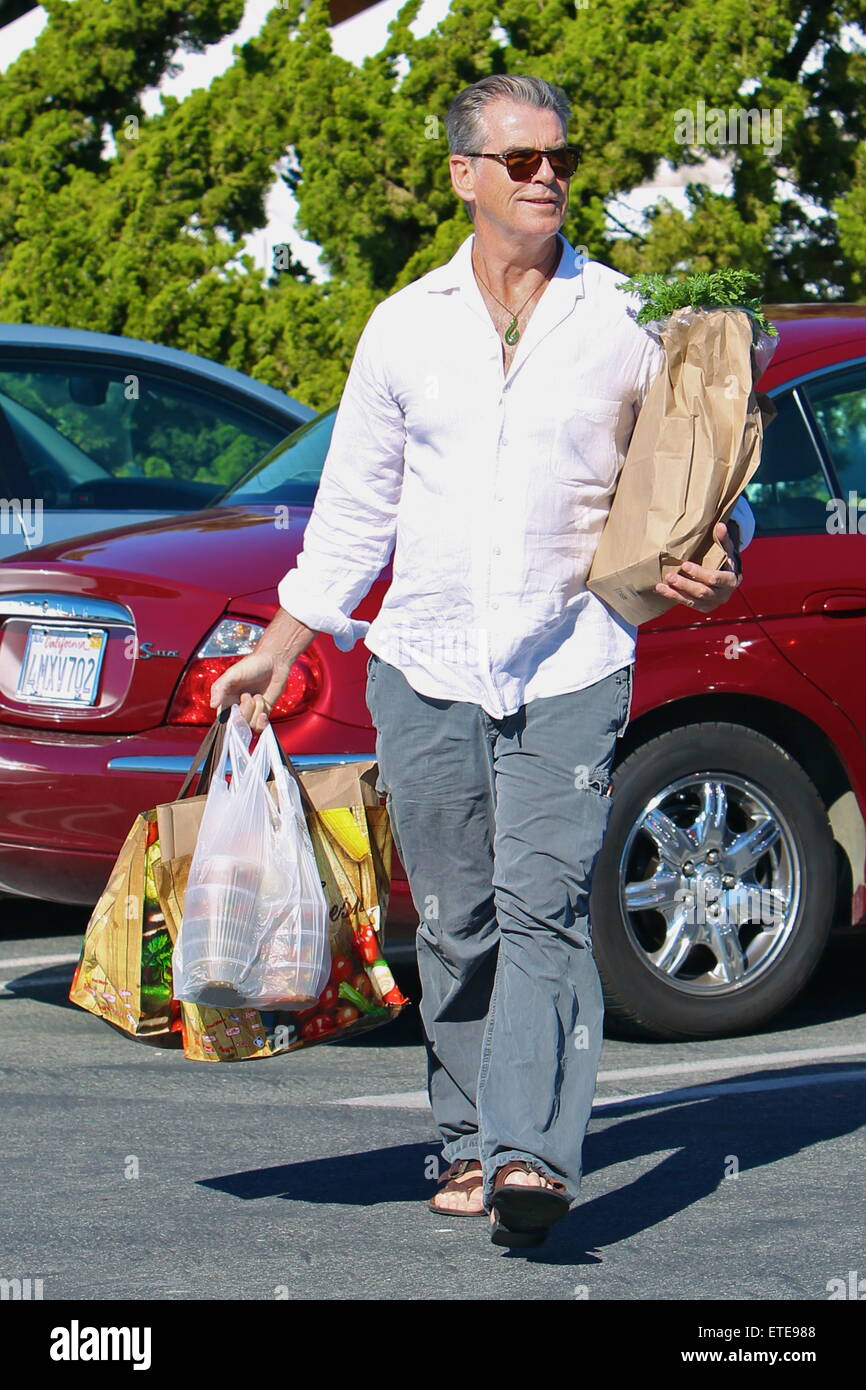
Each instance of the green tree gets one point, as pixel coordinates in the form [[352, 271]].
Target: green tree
[[115, 220]]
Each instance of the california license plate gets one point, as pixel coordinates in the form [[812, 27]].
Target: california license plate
[[61, 665]]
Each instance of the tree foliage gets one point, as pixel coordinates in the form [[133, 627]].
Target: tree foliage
[[115, 220]]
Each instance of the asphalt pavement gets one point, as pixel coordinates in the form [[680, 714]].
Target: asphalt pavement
[[729, 1169]]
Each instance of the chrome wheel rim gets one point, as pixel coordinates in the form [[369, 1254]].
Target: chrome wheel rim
[[710, 883]]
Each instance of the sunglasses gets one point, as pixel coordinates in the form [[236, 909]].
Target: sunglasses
[[525, 164]]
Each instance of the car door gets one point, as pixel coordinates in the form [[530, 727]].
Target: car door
[[807, 580], [86, 445]]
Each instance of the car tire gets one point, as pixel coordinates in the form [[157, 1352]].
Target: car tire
[[649, 991]]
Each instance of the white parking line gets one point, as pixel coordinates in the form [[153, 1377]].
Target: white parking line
[[24, 982], [18, 962], [733, 1088], [400, 1100], [743, 1059], [417, 1100]]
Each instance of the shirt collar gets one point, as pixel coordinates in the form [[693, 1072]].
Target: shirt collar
[[457, 274], [556, 304]]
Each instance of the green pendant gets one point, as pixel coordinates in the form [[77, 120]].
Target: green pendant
[[512, 332]]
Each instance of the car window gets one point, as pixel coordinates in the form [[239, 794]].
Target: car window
[[789, 492], [290, 473], [41, 445], [838, 404], [90, 434]]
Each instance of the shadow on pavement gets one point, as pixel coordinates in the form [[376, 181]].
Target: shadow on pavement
[[759, 1129]]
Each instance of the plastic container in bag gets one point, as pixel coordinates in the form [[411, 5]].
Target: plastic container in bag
[[255, 923]]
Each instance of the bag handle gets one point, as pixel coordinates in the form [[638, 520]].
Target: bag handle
[[208, 752], [292, 770]]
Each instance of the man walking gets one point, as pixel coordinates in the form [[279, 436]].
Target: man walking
[[480, 436]]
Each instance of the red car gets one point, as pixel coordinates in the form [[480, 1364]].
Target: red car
[[737, 837]]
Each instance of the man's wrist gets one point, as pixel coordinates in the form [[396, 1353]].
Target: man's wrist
[[284, 639]]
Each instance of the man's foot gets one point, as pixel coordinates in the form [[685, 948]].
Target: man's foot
[[519, 1218], [463, 1187]]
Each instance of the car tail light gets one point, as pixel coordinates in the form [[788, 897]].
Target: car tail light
[[230, 640]]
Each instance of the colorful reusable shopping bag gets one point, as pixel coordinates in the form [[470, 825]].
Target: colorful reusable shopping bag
[[124, 974]]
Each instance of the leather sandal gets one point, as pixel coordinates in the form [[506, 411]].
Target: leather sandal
[[522, 1215], [464, 1175]]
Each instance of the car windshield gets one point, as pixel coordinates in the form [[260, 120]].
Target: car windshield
[[289, 474]]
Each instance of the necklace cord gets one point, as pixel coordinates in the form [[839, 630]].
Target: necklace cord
[[512, 333]]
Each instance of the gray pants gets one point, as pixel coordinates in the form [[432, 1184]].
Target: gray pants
[[498, 823]]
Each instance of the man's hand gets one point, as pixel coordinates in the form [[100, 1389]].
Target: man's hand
[[255, 684], [257, 681], [704, 589]]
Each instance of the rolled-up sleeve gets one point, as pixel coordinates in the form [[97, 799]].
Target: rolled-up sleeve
[[743, 515], [351, 531]]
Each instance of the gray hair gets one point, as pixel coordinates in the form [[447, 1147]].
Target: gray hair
[[464, 124]]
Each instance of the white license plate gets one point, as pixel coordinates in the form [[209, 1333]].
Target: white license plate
[[61, 665]]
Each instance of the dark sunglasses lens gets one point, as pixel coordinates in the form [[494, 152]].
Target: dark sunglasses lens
[[524, 164], [564, 163]]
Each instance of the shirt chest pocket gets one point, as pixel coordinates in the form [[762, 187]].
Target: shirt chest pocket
[[585, 446]]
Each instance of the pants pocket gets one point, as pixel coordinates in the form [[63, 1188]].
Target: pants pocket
[[372, 662], [370, 696], [626, 691]]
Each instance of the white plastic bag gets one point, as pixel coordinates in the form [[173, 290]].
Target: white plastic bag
[[255, 923]]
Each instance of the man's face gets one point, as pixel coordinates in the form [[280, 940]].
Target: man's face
[[535, 208]]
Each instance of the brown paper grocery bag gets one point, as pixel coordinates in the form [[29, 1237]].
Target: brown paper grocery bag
[[695, 446]]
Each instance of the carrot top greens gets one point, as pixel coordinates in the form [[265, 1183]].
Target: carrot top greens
[[708, 289]]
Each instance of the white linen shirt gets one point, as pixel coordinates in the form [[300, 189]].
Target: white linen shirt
[[492, 489]]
